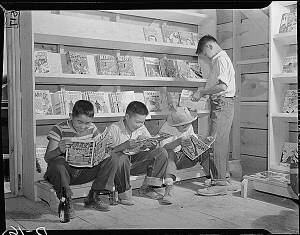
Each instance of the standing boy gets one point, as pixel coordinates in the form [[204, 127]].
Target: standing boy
[[61, 175], [220, 87], [153, 163]]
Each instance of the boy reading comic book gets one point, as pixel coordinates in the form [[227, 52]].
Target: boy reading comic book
[[61, 174]]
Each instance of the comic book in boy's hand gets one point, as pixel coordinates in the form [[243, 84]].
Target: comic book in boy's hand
[[146, 144], [88, 153], [193, 147]]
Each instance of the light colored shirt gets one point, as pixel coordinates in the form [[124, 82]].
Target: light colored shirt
[[166, 128], [119, 134], [222, 69]]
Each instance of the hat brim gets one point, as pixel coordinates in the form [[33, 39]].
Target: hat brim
[[183, 123]]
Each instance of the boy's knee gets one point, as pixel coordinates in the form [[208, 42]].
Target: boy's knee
[[162, 152]]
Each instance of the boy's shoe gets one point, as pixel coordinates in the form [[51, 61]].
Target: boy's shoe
[[148, 191], [212, 191], [229, 185], [94, 200], [71, 208], [167, 198], [126, 202]]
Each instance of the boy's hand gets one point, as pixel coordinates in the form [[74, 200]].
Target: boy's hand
[[62, 145]]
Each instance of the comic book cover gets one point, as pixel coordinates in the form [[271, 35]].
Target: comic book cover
[[70, 98], [186, 38], [290, 104], [106, 64], [289, 154], [124, 98], [114, 102], [153, 101], [152, 67], [184, 71], [283, 23], [125, 66], [173, 99], [153, 34], [186, 101], [78, 62], [100, 101], [290, 64], [58, 105], [170, 35], [195, 69], [168, 68], [41, 63], [43, 104], [292, 22]]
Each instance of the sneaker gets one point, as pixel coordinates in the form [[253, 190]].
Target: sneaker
[[148, 191], [94, 200], [126, 202], [71, 208], [212, 191], [167, 198]]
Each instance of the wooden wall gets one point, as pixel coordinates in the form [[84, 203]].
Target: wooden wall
[[254, 89]]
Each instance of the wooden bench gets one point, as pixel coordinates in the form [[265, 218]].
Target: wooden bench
[[46, 193]]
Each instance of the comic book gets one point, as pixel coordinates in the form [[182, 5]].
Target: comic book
[[186, 38], [100, 101], [41, 165], [292, 22], [153, 34], [184, 71], [196, 71], [153, 101], [125, 66], [152, 67], [146, 144], [186, 101], [273, 176], [289, 154], [290, 104], [43, 104], [168, 68], [106, 64], [113, 101], [88, 153], [290, 64], [283, 23], [78, 62], [58, 105], [173, 99], [124, 98], [194, 146], [139, 66], [170, 34], [41, 64], [70, 98]]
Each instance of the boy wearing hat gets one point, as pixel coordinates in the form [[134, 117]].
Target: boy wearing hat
[[179, 125]]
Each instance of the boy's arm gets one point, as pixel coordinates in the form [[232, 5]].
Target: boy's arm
[[53, 150]]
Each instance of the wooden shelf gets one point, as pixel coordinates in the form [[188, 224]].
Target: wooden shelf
[[289, 117], [286, 38], [253, 61], [181, 16], [103, 80], [285, 78]]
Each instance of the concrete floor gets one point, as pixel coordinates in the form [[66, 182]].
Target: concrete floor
[[259, 211]]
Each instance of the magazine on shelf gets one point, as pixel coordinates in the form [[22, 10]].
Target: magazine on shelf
[[41, 165], [184, 71], [125, 65], [186, 38], [113, 101], [153, 34], [173, 99], [290, 64], [58, 105], [138, 66], [152, 67], [153, 101], [186, 101], [146, 144], [88, 153], [283, 23], [196, 71], [70, 98], [168, 68], [292, 21], [41, 62], [273, 176], [124, 98], [289, 154], [139, 96], [194, 146], [170, 35], [100, 101], [290, 104], [77, 62], [43, 104], [106, 64]]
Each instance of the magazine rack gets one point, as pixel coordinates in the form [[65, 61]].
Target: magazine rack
[[281, 45], [59, 32]]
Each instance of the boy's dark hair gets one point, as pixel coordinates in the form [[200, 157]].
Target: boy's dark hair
[[83, 107], [136, 107], [203, 41]]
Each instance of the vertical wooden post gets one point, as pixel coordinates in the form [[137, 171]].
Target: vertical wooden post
[[28, 112]]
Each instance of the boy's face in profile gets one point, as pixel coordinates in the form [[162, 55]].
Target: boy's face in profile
[[134, 121], [81, 122], [183, 128], [207, 51]]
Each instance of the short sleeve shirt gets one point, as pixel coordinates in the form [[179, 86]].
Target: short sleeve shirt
[[166, 128], [222, 69], [119, 134]]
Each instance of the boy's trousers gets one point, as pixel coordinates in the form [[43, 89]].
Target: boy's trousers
[[152, 163], [61, 175]]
